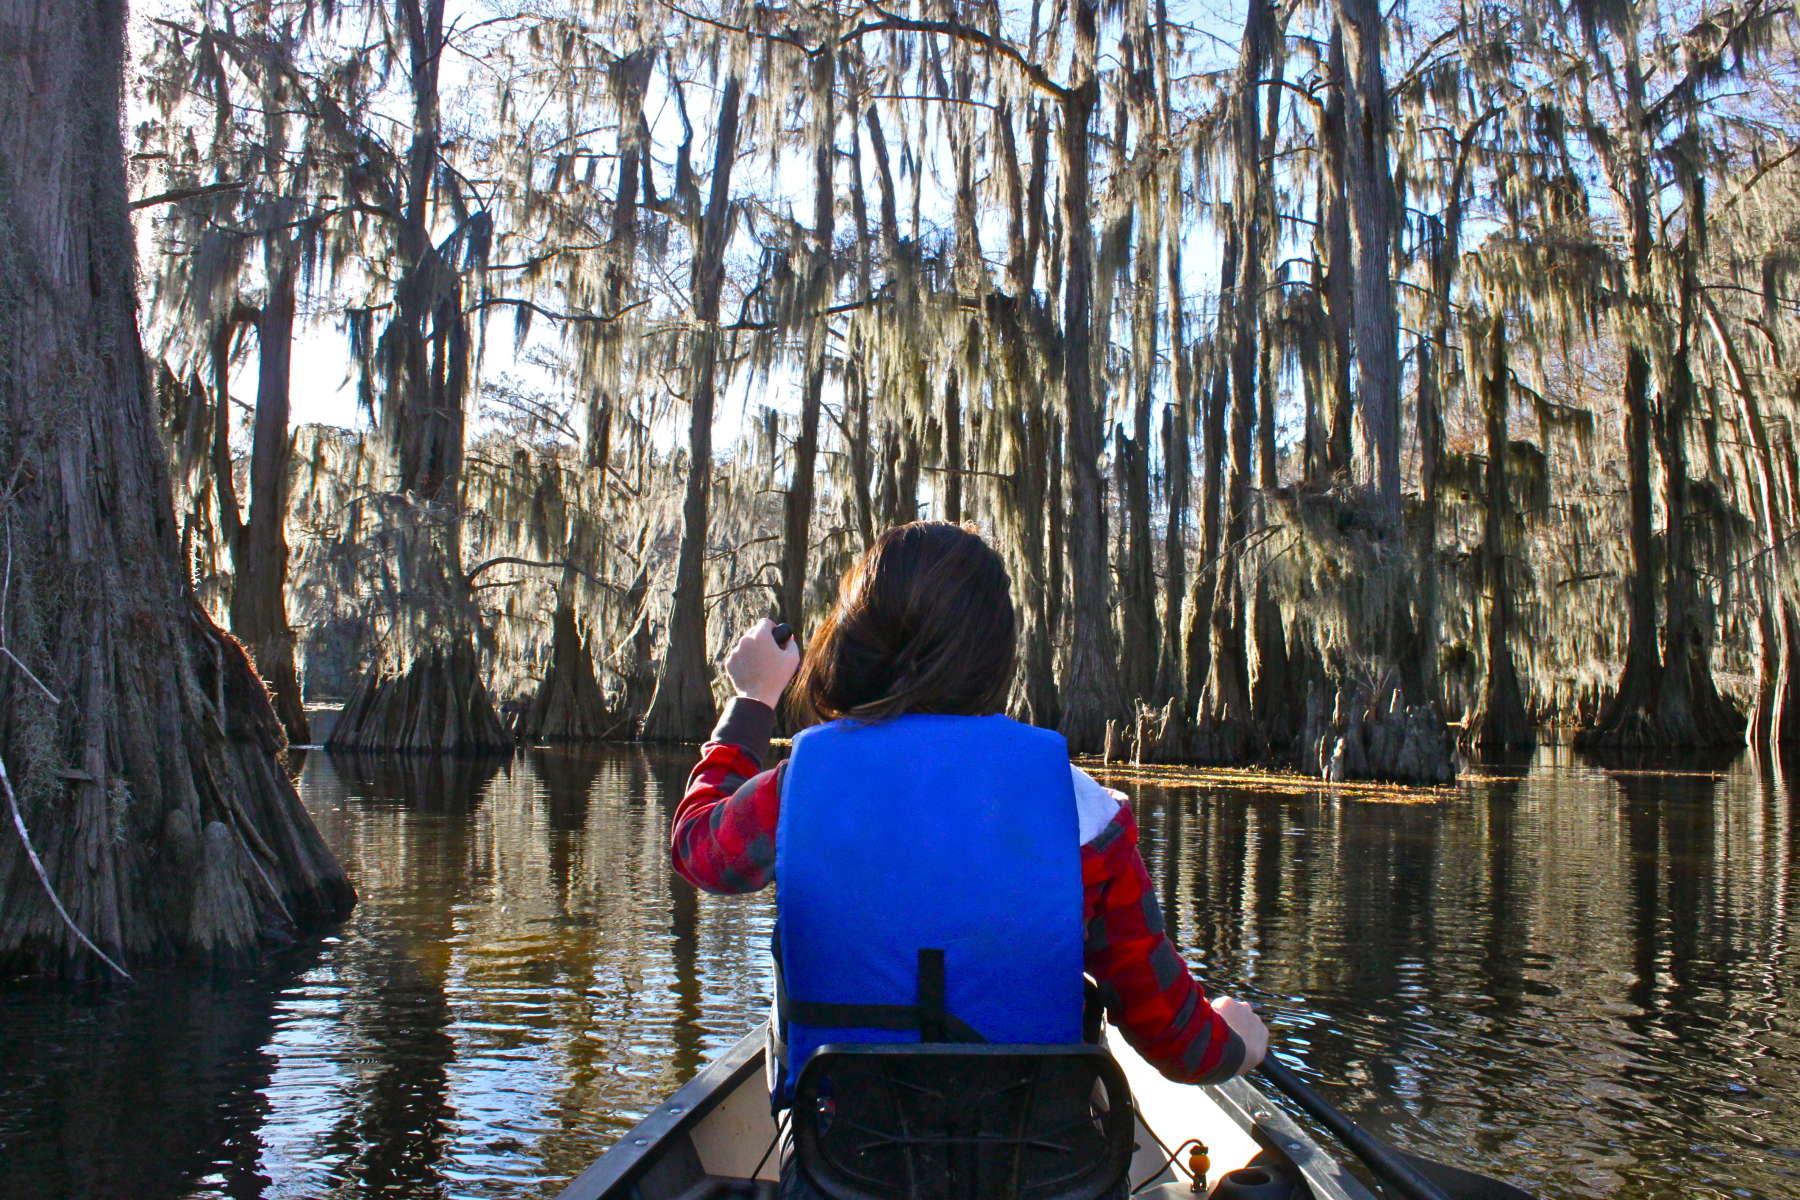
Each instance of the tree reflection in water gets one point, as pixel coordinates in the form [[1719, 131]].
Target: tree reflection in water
[[144, 1094], [1580, 978], [393, 1135]]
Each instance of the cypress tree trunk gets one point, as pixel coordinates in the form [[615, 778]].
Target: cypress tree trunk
[[1370, 190], [1690, 699], [1138, 576], [1666, 695], [1091, 690], [1226, 728], [682, 708], [862, 467], [1339, 274], [569, 706], [1434, 356], [1775, 720], [260, 551], [1043, 587], [1643, 659], [1177, 451], [141, 755], [1024, 499], [1271, 690], [899, 473], [797, 513], [1204, 583], [640, 670], [1500, 721], [632, 77], [1431, 456], [426, 694], [1225, 731], [1138, 571]]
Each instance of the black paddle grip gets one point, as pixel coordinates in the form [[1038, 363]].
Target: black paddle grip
[[782, 633]]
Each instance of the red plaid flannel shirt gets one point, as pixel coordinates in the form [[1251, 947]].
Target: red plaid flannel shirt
[[723, 840]]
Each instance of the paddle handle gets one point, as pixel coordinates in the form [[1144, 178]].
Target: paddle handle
[[1380, 1157], [782, 633]]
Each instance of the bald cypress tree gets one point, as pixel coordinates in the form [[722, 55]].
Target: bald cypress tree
[[150, 816]]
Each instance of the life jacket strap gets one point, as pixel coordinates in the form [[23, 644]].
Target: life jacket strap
[[928, 1016]]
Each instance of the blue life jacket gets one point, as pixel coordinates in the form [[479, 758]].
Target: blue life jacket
[[928, 887]]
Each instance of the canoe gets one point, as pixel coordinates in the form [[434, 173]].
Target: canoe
[[715, 1138]]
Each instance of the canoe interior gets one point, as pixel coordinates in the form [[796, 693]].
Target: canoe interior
[[716, 1138]]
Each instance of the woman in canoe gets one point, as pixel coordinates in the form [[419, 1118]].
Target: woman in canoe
[[945, 873]]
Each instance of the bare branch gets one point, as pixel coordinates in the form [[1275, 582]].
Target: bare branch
[[176, 195]]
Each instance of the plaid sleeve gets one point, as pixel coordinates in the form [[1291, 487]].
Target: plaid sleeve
[[723, 836], [1146, 987]]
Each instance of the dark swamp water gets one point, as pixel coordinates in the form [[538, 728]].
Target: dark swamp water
[[1581, 980]]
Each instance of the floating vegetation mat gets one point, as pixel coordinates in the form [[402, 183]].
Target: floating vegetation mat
[[1173, 777]]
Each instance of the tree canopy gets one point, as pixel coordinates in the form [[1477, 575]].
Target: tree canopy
[[1337, 384]]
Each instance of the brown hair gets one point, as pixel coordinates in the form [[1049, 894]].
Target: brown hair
[[923, 623]]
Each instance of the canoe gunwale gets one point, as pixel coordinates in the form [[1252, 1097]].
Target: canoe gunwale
[[1279, 1133], [638, 1150]]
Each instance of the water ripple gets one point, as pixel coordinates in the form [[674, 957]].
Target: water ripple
[[1580, 980]]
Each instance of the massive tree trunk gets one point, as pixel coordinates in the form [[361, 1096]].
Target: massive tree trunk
[[682, 708], [1500, 723], [141, 755], [1091, 690]]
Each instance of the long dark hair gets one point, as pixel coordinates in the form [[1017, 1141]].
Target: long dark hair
[[923, 623]]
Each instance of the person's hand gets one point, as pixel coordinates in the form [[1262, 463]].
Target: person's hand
[[760, 669], [1248, 1026]]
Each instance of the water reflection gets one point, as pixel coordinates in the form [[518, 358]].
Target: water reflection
[[1577, 977], [104, 1095]]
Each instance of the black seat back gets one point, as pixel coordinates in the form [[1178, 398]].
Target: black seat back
[[950, 1121]]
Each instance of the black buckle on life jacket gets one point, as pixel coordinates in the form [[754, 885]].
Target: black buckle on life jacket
[[927, 1015]]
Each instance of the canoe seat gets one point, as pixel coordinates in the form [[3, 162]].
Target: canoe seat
[[956, 1121]]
